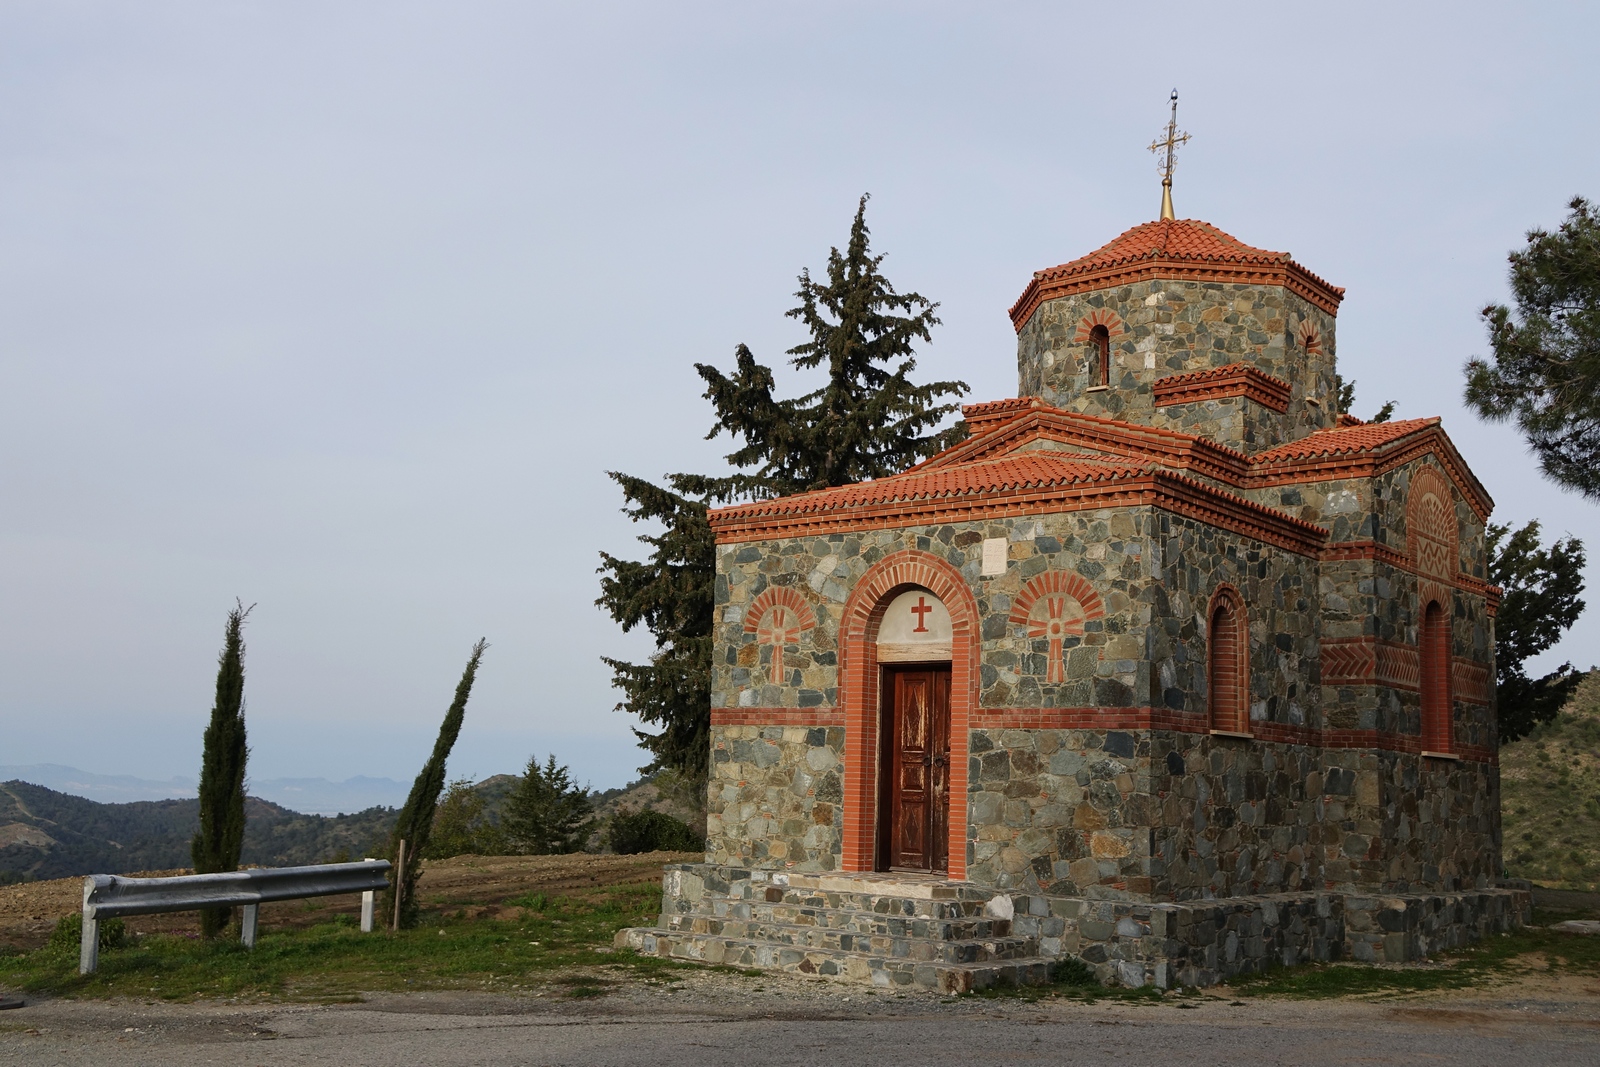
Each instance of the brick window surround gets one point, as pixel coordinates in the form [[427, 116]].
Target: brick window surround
[[1436, 697], [859, 690], [1227, 662], [1100, 353]]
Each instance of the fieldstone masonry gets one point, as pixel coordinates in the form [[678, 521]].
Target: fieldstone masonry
[[1103, 800]]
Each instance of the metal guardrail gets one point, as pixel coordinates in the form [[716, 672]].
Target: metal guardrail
[[110, 896]]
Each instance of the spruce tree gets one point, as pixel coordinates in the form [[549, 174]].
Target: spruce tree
[[216, 847], [548, 813], [868, 420], [415, 821]]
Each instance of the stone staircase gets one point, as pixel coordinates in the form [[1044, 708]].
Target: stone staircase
[[891, 931]]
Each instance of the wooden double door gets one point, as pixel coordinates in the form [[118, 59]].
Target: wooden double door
[[914, 775]]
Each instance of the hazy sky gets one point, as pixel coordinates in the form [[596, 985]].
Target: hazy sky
[[345, 309]]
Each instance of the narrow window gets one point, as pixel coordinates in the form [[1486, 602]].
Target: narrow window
[[1436, 710], [1100, 345], [1226, 665]]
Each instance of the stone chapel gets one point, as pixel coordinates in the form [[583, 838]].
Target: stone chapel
[[1168, 667]]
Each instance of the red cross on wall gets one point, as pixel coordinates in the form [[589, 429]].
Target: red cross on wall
[[920, 610], [778, 629]]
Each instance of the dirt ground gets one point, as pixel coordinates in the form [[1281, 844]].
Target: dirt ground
[[473, 885]]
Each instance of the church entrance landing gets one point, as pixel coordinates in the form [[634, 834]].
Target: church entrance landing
[[914, 800]]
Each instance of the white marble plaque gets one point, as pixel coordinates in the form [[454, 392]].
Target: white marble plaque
[[994, 556]]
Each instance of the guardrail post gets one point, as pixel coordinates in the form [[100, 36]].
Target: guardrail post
[[89, 946], [247, 926], [367, 900]]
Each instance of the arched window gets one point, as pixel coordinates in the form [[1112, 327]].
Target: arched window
[[1436, 700], [1227, 663], [1100, 354]]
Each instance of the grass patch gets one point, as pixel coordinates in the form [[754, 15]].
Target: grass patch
[[560, 946], [1508, 956]]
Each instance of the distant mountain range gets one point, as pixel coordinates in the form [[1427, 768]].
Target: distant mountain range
[[313, 796], [49, 834]]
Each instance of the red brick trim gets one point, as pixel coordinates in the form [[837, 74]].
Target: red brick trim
[[1309, 337], [1136, 719], [780, 596], [1124, 439], [1071, 583], [1228, 702], [777, 717], [1160, 489], [1291, 276], [1054, 587], [859, 688], [1356, 551], [1371, 463], [1369, 661], [1473, 682], [1236, 379], [1099, 317]]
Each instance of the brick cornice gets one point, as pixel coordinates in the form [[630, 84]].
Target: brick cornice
[[1363, 551], [1233, 380], [1287, 275], [1373, 462], [1166, 490], [1112, 436], [1137, 719], [808, 717]]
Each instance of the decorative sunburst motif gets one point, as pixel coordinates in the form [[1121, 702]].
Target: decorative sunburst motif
[[778, 617], [1054, 606], [1309, 337]]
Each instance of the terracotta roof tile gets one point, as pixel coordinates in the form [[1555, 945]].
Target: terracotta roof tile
[[1179, 248], [1028, 470], [1168, 239], [1358, 438]]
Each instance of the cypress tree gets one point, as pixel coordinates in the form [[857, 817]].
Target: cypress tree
[[415, 821], [868, 420], [216, 847]]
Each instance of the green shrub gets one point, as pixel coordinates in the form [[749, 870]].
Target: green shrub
[[1071, 971], [650, 831], [68, 933]]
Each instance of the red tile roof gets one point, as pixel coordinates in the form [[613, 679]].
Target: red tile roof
[[1362, 437], [1025, 470], [1179, 248], [1167, 239]]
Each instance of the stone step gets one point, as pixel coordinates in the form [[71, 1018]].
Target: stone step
[[865, 923], [808, 897], [921, 949], [836, 964]]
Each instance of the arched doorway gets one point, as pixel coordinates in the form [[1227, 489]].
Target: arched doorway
[[913, 818], [876, 654]]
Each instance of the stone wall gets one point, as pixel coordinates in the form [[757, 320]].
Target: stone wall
[[1164, 327], [1106, 782]]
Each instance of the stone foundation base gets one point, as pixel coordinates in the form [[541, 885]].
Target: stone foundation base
[[906, 931]]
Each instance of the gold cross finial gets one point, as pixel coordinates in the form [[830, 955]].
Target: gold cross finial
[[1168, 144]]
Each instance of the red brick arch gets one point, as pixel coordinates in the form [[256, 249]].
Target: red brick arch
[[778, 617], [1099, 317], [859, 690], [779, 596]]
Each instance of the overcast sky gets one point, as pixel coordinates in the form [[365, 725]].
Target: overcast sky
[[345, 309]]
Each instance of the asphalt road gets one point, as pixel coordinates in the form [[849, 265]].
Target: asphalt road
[[781, 1027]]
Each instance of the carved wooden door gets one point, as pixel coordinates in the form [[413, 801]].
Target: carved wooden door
[[916, 805]]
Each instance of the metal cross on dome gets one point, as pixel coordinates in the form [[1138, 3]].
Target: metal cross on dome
[[1168, 144]]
